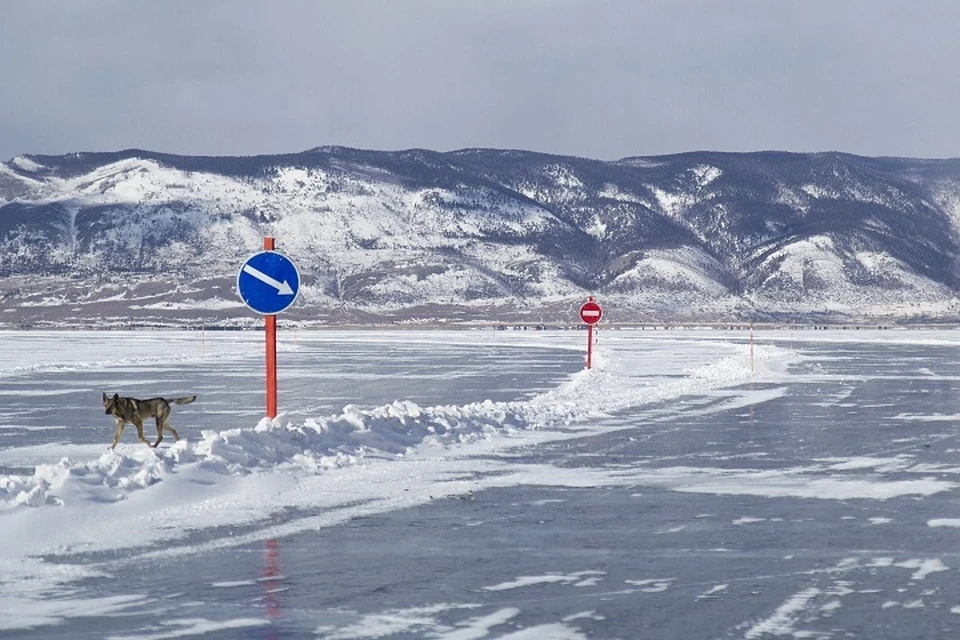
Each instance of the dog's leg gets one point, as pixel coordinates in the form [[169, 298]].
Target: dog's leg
[[138, 423], [116, 438], [176, 436], [159, 432], [163, 415]]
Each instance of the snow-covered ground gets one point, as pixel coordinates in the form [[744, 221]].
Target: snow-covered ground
[[480, 484]]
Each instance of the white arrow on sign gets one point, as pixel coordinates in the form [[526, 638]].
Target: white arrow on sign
[[282, 288]]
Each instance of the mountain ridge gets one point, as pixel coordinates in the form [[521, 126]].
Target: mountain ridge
[[137, 237]]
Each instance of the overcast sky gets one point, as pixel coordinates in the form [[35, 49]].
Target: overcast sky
[[595, 78]]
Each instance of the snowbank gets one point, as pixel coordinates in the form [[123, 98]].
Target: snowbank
[[356, 434]]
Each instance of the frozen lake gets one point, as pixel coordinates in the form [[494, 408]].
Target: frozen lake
[[466, 485]]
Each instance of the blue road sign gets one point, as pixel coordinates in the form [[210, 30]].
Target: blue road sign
[[268, 282]]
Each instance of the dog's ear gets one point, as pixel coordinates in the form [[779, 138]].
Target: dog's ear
[[116, 397], [104, 396]]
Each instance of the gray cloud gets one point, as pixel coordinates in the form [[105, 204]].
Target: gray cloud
[[596, 78]]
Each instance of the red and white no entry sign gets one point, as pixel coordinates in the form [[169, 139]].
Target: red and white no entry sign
[[591, 312]]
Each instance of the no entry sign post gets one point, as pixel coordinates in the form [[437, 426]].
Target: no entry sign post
[[590, 314], [268, 283]]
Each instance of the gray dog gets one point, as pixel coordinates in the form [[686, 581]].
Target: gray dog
[[136, 411]]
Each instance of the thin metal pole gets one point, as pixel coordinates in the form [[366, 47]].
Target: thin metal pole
[[589, 345], [270, 330]]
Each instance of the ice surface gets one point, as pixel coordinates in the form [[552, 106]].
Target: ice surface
[[797, 484]]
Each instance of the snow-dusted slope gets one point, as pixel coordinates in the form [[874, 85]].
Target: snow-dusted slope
[[485, 235]]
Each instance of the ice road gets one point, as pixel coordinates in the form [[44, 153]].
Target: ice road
[[479, 484]]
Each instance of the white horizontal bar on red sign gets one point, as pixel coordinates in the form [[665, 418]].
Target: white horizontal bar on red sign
[[591, 314]]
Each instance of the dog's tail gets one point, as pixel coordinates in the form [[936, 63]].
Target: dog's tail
[[186, 400]]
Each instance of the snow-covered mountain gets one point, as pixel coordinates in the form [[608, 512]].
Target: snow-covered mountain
[[137, 237]]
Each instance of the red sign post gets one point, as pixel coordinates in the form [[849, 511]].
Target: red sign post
[[590, 313], [268, 283], [270, 328]]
